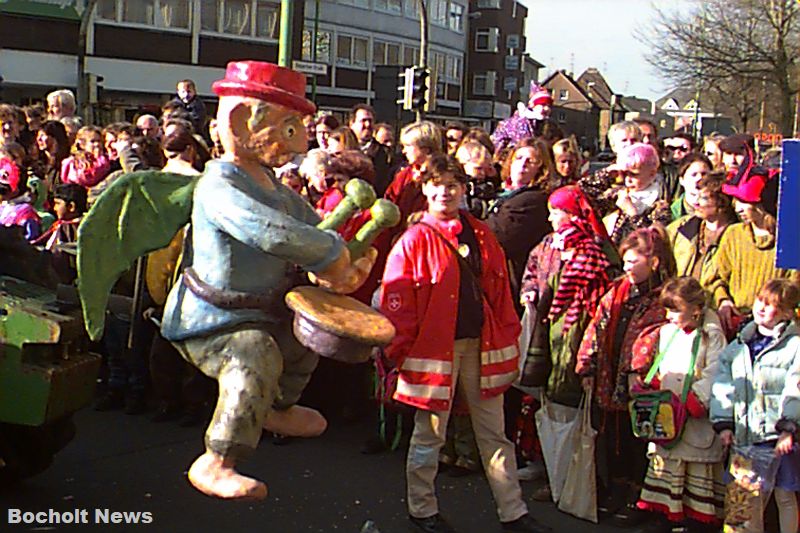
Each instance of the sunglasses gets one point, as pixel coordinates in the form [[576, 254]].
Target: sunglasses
[[453, 139], [676, 149]]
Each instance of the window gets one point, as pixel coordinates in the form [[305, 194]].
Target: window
[[437, 10], [410, 55], [488, 4], [351, 50], [453, 69], [357, 3], [385, 53], [159, 13], [323, 46], [484, 84], [392, 6], [486, 39], [437, 64], [411, 9], [561, 117], [563, 94], [456, 17], [246, 18]]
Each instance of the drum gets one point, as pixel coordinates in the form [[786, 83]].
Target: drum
[[337, 326]]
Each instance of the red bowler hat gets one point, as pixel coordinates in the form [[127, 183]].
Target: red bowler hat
[[265, 81]]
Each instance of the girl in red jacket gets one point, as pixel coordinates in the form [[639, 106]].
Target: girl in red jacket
[[445, 288]]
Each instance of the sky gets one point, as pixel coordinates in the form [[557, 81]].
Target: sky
[[577, 34]]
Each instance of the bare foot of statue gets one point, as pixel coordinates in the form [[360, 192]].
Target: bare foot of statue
[[296, 421], [215, 476]]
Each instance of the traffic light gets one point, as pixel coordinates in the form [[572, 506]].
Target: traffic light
[[406, 80], [419, 88], [414, 84]]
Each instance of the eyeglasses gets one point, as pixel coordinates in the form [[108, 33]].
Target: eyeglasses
[[683, 149], [453, 139]]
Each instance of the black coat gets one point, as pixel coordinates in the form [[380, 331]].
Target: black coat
[[382, 161], [520, 222]]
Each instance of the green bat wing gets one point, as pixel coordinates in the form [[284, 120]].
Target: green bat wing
[[139, 213]]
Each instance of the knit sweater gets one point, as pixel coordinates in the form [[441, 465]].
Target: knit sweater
[[744, 263]]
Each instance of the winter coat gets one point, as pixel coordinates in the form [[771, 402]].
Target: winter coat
[[758, 395], [519, 220], [597, 355], [684, 236], [699, 442], [419, 294]]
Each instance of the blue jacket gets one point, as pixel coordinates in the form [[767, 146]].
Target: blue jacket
[[244, 239], [758, 397]]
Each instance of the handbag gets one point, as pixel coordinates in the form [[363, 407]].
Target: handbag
[[659, 416], [751, 475], [579, 494], [556, 424], [538, 364]]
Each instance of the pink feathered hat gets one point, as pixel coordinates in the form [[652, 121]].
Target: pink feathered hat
[[539, 96]]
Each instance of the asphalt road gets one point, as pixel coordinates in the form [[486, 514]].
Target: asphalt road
[[125, 463]]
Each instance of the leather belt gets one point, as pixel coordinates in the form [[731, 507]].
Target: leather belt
[[226, 298]]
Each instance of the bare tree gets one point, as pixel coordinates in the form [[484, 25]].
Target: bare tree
[[723, 43]]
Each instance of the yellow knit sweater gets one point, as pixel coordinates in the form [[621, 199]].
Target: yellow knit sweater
[[743, 264]]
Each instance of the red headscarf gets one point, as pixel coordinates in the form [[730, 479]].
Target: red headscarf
[[584, 276], [572, 200]]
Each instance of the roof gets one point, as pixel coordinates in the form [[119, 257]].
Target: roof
[[563, 74], [641, 105], [595, 85], [680, 95], [528, 59]]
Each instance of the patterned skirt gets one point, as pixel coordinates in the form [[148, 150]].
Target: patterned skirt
[[680, 489]]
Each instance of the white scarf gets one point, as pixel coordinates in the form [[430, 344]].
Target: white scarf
[[644, 199]]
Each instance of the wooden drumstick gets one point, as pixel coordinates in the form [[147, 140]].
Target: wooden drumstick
[[358, 195], [384, 215]]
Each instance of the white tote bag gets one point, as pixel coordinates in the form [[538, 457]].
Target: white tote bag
[[555, 424], [527, 323], [579, 494]]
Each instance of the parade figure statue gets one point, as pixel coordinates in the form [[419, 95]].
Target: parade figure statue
[[226, 314], [532, 120]]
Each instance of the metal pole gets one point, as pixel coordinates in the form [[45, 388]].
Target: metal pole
[[285, 42], [423, 45], [796, 110], [82, 89], [314, 50]]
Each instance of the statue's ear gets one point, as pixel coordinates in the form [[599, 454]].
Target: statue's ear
[[237, 119]]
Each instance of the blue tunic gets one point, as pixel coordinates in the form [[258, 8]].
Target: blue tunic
[[245, 239]]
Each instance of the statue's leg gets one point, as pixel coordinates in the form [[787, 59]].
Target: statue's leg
[[299, 362], [247, 364]]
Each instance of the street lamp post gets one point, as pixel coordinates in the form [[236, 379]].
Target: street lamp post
[[82, 82], [423, 46], [285, 42]]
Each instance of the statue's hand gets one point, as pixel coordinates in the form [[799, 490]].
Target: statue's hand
[[344, 276]]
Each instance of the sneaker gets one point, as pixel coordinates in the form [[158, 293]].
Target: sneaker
[[526, 524], [432, 524], [542, 494], [531, 471], [463, 467]]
